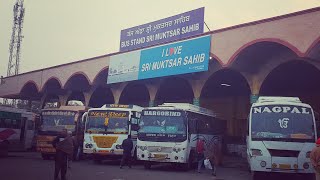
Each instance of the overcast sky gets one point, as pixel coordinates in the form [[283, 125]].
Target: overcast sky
[[62, 31]]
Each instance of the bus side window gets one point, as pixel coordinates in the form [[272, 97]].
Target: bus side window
[[23, 128], [7, 123], [30, 125], [2, 123], [192, 123]]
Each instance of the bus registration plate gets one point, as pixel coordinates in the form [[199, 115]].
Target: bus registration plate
[[160, 156], [284, 166]]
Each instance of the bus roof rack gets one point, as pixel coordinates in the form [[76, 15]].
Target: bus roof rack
[[263, 99], [187, 106], [129, 106]]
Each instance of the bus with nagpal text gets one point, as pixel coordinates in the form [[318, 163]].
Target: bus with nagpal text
[[53, 121], [281, 135], [168, 134], [17, 128], [107, 127]]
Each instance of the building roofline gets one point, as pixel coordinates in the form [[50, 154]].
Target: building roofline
[[275, 18]]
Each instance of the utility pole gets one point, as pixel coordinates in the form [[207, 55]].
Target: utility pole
[[15, 43]]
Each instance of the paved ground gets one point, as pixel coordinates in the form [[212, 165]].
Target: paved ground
[[20, 166]]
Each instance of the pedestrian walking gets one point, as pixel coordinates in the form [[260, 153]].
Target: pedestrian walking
[[200, 152], [127, 146], [212, 163], [315, 159], [64, 149]]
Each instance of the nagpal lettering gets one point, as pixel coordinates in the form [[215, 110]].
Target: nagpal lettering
[[281, 109]]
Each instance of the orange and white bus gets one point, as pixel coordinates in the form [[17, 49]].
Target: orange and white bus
[[53, 121]]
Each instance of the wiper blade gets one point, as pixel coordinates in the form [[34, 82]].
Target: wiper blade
[[103, 132]]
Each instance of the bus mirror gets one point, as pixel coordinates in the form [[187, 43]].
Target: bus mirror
[[136, 114], [135, 127], [134, 121]]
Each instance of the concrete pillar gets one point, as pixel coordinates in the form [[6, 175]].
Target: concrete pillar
[[196, 101], [43, 98], [197, 86], [153, 89], [87, 96], [117, 91], [64, 98], [255, 85], [29, 105]]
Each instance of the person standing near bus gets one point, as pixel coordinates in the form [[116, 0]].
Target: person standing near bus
[[200, 152], [64, 149], [315, 159], [127, 146]]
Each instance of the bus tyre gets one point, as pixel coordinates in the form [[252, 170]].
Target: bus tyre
[[189, 164], [4, 148], [310, 176], [257, 175], [147, 165], [45, 156], [96, 160]]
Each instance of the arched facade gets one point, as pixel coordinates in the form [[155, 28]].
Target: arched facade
[[135, 93], [174, 89]]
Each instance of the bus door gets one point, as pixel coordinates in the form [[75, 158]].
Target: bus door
[[23, 130], [30, 130]]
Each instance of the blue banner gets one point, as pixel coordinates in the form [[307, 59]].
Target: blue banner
[[169, 29], [177, 58]]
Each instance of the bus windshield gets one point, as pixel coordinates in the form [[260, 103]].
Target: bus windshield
[[109, 121], [163, 126], [57, 120], [282, 123]]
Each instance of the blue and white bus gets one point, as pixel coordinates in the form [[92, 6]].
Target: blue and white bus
[[168, 134]]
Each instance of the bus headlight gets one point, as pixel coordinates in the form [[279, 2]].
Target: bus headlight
[[308, 154], [176, 150], [256, 152], [143, 148], [263, 164], [306, 165], [88, 145]]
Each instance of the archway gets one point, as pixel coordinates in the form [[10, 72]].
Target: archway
[[174, 89], [76, 98], [51, 100], [30, 91], [101, 96], [227, 93], [295, 78], [135, 93]]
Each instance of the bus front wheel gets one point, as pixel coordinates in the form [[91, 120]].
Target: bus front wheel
[[190, 164], [45, 156], [147, 165], [257, 175], [4, 148]]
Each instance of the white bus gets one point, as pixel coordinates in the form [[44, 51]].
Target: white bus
[[281, 135], [17, 127], [168, 134], [107, 127]]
